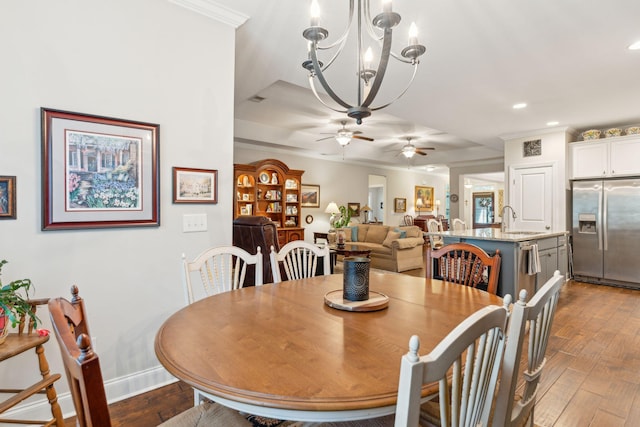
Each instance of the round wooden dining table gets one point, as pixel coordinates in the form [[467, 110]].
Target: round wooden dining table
[[280, 351]]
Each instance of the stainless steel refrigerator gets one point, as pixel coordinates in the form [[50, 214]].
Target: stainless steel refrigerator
[[606, 231]]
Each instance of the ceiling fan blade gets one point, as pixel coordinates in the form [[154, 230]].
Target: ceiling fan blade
[[362, 137], [322, 139], [419, 151]]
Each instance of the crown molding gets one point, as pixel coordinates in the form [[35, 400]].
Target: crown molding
[[213, 10]]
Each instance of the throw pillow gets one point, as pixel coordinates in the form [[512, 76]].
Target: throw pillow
[[391, 236], [403, 233], [354, 234]]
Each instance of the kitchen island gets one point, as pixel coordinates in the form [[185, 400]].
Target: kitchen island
[[514, 249]]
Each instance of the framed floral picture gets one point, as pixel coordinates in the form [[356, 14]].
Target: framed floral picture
[[98, 172], [8, 197]]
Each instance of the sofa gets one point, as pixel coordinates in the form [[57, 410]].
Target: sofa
[[393, 248]]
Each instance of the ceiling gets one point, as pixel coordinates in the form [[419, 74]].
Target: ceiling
[[567, 59]]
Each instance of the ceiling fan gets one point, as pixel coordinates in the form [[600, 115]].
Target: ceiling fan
[[409, 150], [344, 135]]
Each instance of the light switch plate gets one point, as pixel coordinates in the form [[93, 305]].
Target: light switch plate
[[194, 222]]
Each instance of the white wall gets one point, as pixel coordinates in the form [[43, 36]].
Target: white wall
[[554, 144], [343, 182], [144, 60]]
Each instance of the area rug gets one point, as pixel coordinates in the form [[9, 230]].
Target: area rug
[[257, 421]]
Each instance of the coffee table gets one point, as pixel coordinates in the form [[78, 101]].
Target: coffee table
[[351, 250]]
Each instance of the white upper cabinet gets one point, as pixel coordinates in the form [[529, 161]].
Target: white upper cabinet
[[605, 158]]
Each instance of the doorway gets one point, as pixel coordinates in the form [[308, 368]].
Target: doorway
[[377, 197], [483, 213]]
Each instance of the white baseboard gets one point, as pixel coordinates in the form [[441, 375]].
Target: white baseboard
[[116, 389]]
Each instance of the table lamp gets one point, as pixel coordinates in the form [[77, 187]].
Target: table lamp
[[419, 205], [333, 210], [366, 209]]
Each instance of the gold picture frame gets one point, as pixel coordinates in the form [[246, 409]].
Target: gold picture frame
[[400, 204], [426, 195]]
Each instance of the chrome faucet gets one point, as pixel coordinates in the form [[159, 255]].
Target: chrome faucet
[[503, 226]]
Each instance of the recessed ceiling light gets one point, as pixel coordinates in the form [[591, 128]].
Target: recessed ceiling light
[[519, 106], [634, 46], [553, 123]]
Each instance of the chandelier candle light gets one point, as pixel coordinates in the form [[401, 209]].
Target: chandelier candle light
[[368, 80]]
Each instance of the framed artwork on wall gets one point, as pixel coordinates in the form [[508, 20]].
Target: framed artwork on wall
[[196, 186], [310, 196], [425, 195], [8, 197], [98, 172], [399, 204], [355, 208]]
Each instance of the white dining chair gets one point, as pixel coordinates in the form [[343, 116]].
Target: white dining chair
[[435, 226], [471, 354], [221, 269], [533, 319], [458, 225], [299, 260]]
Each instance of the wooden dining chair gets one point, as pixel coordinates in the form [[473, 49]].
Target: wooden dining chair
[[82, 366], [299, 260], [465, 264], [435, 226], [465, 364], [221, 269], [533, 319]]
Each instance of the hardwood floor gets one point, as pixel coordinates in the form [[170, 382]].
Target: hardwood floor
[[592, 376]]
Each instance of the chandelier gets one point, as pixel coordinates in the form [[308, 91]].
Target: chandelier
[[369, 80]]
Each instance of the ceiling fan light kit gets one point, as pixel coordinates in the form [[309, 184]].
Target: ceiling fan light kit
[[369, 80]]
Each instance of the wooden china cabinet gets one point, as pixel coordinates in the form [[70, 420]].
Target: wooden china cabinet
[[269, 188]]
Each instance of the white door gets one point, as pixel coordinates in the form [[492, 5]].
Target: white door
[[531, 196]]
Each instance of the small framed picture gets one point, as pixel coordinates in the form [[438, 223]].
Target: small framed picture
[[245, 197], [292, 198], [8, 197], [355, 208], [310, 195], [532, 148], [195, 185], [399, 204]]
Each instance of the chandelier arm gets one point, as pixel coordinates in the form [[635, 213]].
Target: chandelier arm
[[369, 22], [323, 81], [415, 70], [338, 52], [382, 68], [315, 92], [343, 38]]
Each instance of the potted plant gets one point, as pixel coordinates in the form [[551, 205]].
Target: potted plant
[[14, 303]]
